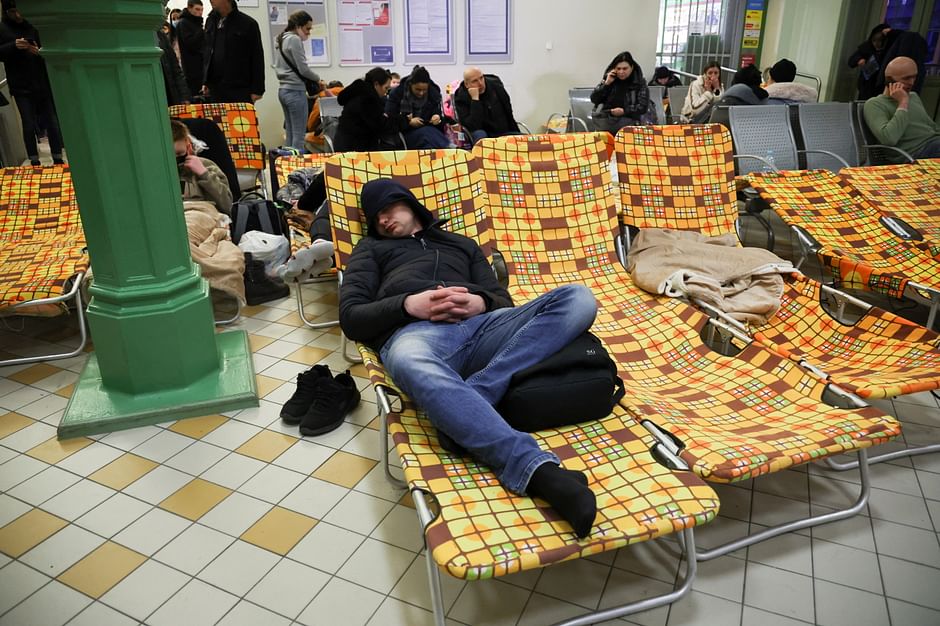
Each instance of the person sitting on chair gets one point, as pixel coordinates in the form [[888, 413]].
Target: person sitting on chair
[[200, 179], [363, 122], [451, 339], [483, 107], [415, 105], [702, 94], [780, 86], [745, 88], [898, 118], [622, 97]]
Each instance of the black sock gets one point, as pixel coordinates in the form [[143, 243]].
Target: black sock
[[568, 495], [578, 476]]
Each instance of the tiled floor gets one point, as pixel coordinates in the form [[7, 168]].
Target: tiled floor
[[235, 519]]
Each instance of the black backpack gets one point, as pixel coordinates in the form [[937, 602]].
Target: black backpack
[[579, 383], [253, 212]]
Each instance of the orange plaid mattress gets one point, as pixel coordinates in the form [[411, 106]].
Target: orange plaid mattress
[[239, 124]]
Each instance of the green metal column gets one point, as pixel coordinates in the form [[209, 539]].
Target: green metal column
[[157, 356]]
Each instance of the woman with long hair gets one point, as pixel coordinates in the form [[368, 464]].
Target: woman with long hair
[[293, 74], [622, 97], [703, 92], [363, 121]]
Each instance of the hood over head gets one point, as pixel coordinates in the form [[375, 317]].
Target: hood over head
[[378, 194], [783, 71]]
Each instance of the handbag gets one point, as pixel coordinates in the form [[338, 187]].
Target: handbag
[[313, 89], [579, 383]]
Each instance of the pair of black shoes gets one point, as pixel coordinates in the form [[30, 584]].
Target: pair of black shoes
[[321, 400]]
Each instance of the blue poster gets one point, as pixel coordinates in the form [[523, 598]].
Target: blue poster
[[317, 47], [382, 54]]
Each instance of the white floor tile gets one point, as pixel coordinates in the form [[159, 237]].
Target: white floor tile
[[44, 485], [910, 582], [194, 548], [261, 362], [272, 484], [239, 567], [699, 609], [248, 614], [779, 591], [195, 603], [44, 406], [158, 484], [580, 582], [29, 437], [90, 459], [21, 397], [341, 602], [113, 515], [152, 531], [6, 454], [285, 370], [197, 458], [359, 512], [394, 612], [844, 606], [854, 532], [145, 589], [57, 381], [900, 508], [53, 605], [722, 577], [288, 588], [162, 446], [10, 509], [304, 456], [18, 469], [904, 614], [791, 552], [233, 470], [62, 550], [17, 582], [338, 438], [326, 547], [489, 602], [906, 542], [231, 434], [756, 617], [376, 565], [401, 528], [314, 497], [375, 484], [235, 514], [655, 559], [131, 438], [365, 444], [413, 586], [78, 499], [262, 415], [98, 614]]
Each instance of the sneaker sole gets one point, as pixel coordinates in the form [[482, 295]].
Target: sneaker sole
[[329, 427], [290, 419]]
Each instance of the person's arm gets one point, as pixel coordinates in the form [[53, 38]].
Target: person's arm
[[507, 105], [295, 51], [471, 112], [214, 186], [600, 93], [393, 109], [361, 316], [887, 128], [494, 295], [700, 97], [257, 61]]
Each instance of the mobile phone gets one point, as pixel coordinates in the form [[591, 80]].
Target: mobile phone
[[890, 81]]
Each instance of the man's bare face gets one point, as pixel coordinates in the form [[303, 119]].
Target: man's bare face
[[196, 10], [475, 79], [397, 220]]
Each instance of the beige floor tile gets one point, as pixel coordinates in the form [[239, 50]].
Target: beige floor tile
[[344, 469], [266, 445], [66, 392], [266, 384], [36, 372], [122, 471], [193, 500], [12, 422], [256, 342], [52, 451], [27, 531], [308, 355], [279, 530], [198, 427], [293, 319]]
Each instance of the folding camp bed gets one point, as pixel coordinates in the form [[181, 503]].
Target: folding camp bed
[[239, 123], [478, 529], [725, 418], [42, 249]]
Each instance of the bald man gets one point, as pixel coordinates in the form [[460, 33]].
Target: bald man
[[897, 117], [483, 106]]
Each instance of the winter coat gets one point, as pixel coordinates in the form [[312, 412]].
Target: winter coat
[[382, 271], [399, 105], [674, 81], [789, 93], [699, 100], [242, 64], [212, 186], [742, 94], [492, 112], [363, 121], [631, 94], [26, 72], [177, 91], [192, 42]]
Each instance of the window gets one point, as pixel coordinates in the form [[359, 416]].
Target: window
[[694, 32]]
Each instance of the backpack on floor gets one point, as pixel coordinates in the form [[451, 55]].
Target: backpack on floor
[[253, 212]]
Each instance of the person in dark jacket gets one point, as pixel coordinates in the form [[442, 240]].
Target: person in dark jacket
[[177, 91], [451, 339], [665, 77], [882, 46], [416, 106], [483, 106], [233, 64], [192, 42], [28, 81], [745, 88], [622, 97], [363, 122]]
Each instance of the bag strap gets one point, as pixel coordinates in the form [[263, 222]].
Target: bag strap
[[620, 392], [241, 221], [290, 64], [264, 218]]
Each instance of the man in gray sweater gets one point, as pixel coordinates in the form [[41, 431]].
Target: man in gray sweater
[[898, 118]]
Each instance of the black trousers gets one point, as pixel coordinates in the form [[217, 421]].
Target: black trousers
[[35, 108]]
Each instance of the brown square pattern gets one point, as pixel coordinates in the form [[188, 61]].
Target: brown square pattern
[[279, 530], [195, 498], [101, 569]]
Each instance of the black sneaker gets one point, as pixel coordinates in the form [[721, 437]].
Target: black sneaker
[[296, 407], [332, 400]]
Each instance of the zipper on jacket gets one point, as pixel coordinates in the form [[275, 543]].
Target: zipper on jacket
[[437, 257]]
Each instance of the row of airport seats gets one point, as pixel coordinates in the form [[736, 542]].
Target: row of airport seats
[[691, 416]]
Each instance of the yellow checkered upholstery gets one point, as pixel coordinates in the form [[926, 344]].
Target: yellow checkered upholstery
[[41, 238], [239, 124], [677, 176], [910, 191], [739, 417], [856, 249], [284, 165]]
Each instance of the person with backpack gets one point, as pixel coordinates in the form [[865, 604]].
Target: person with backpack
[[295, 77], [622, 97]]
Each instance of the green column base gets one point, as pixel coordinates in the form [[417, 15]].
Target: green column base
[[95, 409]]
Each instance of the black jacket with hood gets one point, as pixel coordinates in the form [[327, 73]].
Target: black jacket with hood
[[241, 68], [26, 72], [631, 94], [362, 122], [492, 112], [398, 106], [192, 42], [383, 271]]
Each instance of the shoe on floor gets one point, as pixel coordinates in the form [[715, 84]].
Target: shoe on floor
[[259, 288], [332, 400], [298, 404]]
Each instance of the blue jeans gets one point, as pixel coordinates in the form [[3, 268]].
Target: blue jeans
[[930, 150], [294, 103], [426, 137], [458, 371]]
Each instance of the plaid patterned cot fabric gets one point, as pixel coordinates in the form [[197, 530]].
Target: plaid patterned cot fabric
[[677, 176], [739, 417], [482, 530], [282, 168], [856, 249], [239, 124], [910, 191], [41, 239]]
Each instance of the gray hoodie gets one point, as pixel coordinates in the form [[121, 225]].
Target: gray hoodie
[[293, 47]]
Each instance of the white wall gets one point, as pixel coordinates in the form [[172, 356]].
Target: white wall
[[585, 36]]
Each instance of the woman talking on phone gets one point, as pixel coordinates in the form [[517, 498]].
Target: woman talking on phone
[[622, 98]]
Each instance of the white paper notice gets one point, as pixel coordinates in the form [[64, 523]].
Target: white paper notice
[[488, 27], [428, 28], [364, 13], [350, 45], [346, 13]]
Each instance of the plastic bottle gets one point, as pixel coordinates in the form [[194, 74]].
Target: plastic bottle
[[770, 165]]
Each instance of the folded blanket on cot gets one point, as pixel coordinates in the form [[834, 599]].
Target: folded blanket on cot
[[745, 283], [221, 261]]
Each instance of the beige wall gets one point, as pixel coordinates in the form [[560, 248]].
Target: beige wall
[[584, 37]]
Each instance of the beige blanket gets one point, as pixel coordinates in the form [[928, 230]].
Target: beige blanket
[[746, 283], [221, 261]]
